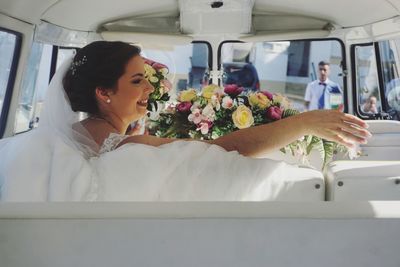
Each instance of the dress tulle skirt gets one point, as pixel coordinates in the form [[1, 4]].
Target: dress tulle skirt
[[38, 166]]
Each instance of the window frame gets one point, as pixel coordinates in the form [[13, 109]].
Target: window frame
[[11, 79], [381, 83], [356, 105], [54, 58], [344, 60], [209, 59], [210, 56], [210, 52], [53, 68]]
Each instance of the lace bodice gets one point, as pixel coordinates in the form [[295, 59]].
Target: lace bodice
[[111, 142]]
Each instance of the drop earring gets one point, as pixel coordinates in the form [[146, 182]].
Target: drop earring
[[108, 101]]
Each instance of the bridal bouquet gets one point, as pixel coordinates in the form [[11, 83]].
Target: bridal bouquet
[[217, 111], [156, 74]]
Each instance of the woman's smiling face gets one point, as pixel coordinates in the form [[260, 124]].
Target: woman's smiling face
[[129, 101]]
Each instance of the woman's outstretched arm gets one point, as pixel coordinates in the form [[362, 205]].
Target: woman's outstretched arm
[[329, 124]]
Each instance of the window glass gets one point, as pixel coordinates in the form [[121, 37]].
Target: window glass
[[390, 66], [35, 84], [188, 65], [7, 48], [36, 75], [286, 68], [367, 83], [63, 54]]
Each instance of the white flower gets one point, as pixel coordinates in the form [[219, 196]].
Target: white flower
[[153, 79], [196, 105], [149, 70], [209, 112], [196, 117], [354, 152], [154, 115], [282, 100], [164, 71], [215, 102]]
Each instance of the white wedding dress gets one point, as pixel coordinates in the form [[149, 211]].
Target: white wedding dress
[[49, 164]]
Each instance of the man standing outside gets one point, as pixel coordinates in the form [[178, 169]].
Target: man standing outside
[[323, 93]]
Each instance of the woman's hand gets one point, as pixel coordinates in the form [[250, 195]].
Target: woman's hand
[[336, 126]]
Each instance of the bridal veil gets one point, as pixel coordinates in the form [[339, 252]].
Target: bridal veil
[[50, 162]]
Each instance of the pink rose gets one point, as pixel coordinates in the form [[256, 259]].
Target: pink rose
[[267, 94], [148, 61], [184, 106], [233, 90], [159, 66], [154, 64], [274, 113]]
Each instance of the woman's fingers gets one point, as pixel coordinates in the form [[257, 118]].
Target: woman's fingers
[[353, 119], [355, 130], [351, 136], [341, 140]]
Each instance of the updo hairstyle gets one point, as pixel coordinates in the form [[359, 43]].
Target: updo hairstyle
[[99, 64]]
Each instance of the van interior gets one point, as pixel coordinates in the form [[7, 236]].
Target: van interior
[[260, 45]]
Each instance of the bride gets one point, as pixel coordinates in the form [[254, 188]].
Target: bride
[[80, 151]]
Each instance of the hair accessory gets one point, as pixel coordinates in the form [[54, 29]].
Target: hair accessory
[[78, 63], [108, 101]]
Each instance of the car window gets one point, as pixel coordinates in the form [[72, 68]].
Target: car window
[[188, 65], [8, 44], [35, 83], [368, 100], [389, 61], [285, 68]]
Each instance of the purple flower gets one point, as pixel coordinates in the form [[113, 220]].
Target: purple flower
[[184, 106], [267, 94], [233, 90], [274, 113]]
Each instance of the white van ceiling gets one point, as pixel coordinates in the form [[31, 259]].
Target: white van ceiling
[[91, 15]]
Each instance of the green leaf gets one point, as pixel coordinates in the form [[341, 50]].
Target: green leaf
[[313, 141], [165, 97], [329, 149], [289, 112]]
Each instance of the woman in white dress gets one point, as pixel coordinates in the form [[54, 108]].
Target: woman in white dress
[[90, 157]]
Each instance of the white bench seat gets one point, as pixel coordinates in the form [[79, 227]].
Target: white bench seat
[[363, 180]]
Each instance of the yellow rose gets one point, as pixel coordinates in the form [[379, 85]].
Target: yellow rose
[[209, 90], [259, 100], [187, 95], [242, 117]]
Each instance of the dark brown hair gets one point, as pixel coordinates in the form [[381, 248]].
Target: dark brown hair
[[323, 63]]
